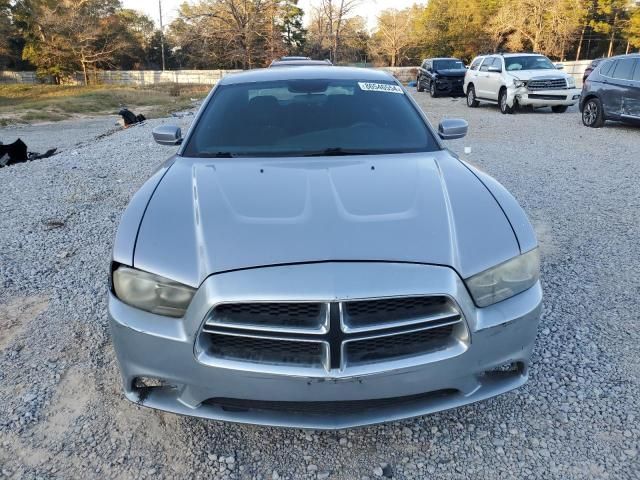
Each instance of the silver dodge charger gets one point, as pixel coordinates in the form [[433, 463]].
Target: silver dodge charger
[[313, 256]]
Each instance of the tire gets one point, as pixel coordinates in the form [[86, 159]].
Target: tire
[[419, 86], [472, 101], [593, 113], [432, 89], [505, 109], [559, 108]]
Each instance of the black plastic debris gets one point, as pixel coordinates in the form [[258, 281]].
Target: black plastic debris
[[130, 118], [17, 152]]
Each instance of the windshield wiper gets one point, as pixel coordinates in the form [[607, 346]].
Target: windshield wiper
[[217, 155], [337, 152]]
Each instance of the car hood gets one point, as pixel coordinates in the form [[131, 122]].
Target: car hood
[[537, 74], [452, 73], [214, 215]]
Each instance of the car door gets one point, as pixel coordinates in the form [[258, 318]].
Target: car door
[[494, 81], [422, 73], [482, 79], [631, 101], [472, 74], [617, 87]]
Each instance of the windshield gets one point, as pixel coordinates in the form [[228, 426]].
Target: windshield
[[309, 117], [448, 65], [528, 62]]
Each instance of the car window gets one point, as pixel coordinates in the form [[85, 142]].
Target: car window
[[606, 69], [624, 68], [475, 64], [636, 73], [497, 62], [307, 117], [528, 62], [448, 64], [488, 62]]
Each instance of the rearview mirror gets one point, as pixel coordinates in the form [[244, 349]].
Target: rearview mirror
[[495, 69], [559, 66], [453, 128], [167, 135]]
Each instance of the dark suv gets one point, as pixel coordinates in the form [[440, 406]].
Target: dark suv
[[612, 92], [441, 76]]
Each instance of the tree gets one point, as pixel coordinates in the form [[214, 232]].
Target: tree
[[293, 32], [609, 19], [334, 14], [393, 36], [545, 26], [632, 31], [68, 35]]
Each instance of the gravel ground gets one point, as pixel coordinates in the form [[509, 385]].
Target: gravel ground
[[62, 413]]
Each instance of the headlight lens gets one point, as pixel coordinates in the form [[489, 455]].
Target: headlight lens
[[519, 83], [152, 293], [571, 82], [506, 280]]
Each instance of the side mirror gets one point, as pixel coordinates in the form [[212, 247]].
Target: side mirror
[[453, 128], [494, 69], [559, 66], [167, 135]]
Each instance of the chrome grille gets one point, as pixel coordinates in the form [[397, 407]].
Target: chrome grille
[[330, 336], [547, 84]]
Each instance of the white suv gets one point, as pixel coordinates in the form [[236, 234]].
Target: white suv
[[519, 79]]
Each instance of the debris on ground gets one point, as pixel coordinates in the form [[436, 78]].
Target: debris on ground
[[183, 114], [130, 118], [17, 152]]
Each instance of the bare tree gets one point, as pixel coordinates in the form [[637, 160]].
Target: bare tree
[[393, 34], [334, 13]]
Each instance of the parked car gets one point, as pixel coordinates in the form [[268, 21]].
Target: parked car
[[592, 66], [441, 76], [336, 267], [300, 63], [612, 92], [519, 79]]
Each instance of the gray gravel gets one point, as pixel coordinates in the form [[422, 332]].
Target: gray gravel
[[62, 413]]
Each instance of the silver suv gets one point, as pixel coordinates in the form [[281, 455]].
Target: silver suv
[[519, 79]]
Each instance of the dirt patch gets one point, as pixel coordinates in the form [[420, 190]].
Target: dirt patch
[[15, 315]]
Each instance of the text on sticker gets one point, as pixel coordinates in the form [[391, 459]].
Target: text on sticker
[[380, 87]]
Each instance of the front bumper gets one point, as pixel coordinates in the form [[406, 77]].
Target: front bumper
[[153, 347], [543, 98], [450, 86]]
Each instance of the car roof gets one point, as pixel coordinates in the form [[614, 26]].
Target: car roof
[[444, 58], [299, 63], [305, 73], [292, 58], [628, 55]]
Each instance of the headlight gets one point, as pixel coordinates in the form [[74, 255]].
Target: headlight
[[519, 83], [151, 292], [506, 280], [571, 82]]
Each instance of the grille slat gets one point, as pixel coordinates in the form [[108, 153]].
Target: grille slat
[[344, 407], [329, 336], [547, 84], [266, 350], [399, 346], [292, 317]]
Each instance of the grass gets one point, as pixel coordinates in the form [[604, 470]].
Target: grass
[[33, 103]]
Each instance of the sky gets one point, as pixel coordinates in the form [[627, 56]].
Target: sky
[[368, 9]]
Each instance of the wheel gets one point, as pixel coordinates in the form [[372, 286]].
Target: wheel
[[559, 109], [592, 113], [502, 101], [472, 101], [432, 89], [419, 86]]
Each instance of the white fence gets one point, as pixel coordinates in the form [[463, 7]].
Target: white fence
[[211, 77]]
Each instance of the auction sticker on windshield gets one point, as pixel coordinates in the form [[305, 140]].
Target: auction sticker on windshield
[[380, 87]]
